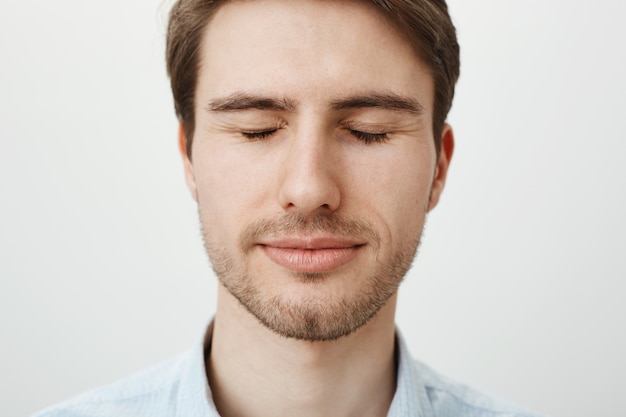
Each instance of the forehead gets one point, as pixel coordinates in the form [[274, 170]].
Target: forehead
[[314, 46]]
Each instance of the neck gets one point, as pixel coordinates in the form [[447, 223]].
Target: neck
[[255, 372]]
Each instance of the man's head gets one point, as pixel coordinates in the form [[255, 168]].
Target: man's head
[[426, 24], [314, 154]]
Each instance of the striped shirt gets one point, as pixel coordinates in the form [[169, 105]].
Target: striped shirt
[[179, 388]]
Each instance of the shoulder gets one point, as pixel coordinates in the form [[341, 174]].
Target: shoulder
[[146, 393], [450, 398]]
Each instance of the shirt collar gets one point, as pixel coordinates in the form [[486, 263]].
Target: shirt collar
[[194, 396], [410, 398]]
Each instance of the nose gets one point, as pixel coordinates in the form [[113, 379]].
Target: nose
[[309, 181]]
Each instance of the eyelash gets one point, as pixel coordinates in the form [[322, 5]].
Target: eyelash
[[366, 137], [259, 135]]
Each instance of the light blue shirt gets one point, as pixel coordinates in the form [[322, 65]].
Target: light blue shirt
[[179, 388]]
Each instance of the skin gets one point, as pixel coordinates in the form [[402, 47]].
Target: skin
[[309, 150]]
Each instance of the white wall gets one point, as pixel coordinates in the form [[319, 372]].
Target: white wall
[[519, 285]]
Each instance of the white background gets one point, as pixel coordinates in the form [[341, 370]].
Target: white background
[[519, 287]]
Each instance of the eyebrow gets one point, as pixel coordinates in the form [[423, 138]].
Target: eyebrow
[[244, 101], [386, 101]]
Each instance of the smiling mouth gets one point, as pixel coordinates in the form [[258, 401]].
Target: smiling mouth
[[312, 256]]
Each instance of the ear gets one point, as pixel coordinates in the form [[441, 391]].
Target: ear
[[190, 177], [441, 171]]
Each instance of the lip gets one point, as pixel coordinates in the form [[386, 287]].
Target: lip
[[311, 254]]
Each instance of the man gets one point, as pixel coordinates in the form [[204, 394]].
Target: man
[[314, 141]]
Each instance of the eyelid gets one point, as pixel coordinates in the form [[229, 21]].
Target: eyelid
[[368, 137], [365, 134], [259, 134]]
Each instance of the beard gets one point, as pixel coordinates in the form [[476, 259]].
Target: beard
[[312, 317]]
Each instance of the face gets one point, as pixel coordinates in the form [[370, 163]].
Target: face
[[313, 160]]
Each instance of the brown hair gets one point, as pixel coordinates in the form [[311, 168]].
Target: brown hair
[[425, 23]]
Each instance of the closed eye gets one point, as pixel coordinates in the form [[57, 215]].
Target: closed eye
[[369, 137], [259, 134]]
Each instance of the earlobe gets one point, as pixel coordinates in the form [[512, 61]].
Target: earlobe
[[190, 177], [443, 164]]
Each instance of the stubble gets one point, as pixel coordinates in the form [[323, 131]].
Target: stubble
[[312, 318]]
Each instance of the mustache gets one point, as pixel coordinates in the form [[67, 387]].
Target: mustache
[[297, 224]]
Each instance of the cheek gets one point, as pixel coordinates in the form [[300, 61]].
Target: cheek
[[398, 191], [409, 211], [229, 191]]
